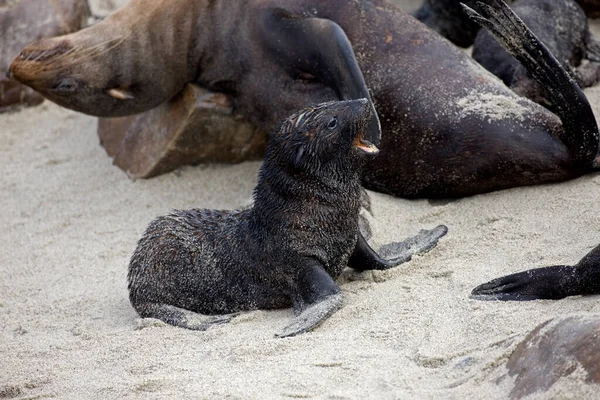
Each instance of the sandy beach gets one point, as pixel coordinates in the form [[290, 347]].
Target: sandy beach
[[70, 221]]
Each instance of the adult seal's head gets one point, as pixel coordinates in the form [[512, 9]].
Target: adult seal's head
[[107, 69]]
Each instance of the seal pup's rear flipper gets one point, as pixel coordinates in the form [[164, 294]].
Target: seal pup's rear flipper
[[180, 317], [365, 258], [580, 131], [554, 282]]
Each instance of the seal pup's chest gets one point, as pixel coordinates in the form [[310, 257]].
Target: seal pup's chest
[[327, 233]]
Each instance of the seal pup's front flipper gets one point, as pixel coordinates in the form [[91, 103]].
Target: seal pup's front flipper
[[580, 130], [318, 48], [315, 297], [554, 282], [180, 317], [365, 258]]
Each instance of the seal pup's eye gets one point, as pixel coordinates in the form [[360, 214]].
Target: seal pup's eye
[[332, 124]]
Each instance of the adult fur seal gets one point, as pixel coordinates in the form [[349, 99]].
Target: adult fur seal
[[450, 127], [562, 26], [285, 250], [554, 282]]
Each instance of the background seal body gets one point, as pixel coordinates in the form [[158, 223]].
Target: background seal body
[[450, 128]]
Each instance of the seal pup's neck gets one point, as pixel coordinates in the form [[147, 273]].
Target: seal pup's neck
[[312, 166]]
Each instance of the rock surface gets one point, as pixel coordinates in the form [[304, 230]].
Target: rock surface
[[556, 349], [24, 21], [196, 126]]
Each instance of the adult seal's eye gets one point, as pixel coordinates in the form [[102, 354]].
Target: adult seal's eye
[[66, 85], [332, 124]]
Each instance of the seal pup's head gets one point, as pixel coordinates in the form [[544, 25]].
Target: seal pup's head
[[329, 138]]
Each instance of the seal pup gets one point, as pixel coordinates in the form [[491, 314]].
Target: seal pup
[[301, 232], [450, 127], [555, 282], [563, 28]]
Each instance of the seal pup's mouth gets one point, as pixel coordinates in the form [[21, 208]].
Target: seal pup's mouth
[[364, 145]]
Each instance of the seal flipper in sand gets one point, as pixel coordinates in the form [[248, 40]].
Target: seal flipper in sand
[[554, 282], [317, 298], [580, 133], [365, 258], [322, 295]]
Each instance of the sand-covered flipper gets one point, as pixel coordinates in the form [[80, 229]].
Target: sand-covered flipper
[[580, 131]]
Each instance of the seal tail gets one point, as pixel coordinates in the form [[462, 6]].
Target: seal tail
[[180, 317], [580, 130]]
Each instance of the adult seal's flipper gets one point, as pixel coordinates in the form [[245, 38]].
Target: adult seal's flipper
[[554, 282], [580, 131], [365, 258], [318, 48]]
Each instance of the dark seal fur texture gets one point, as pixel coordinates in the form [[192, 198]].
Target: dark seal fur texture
[[555, 282], [287, 249], [447, 18], [563, 28]]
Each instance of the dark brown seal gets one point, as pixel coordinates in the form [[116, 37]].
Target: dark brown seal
[[447, 18], [24, 21], [285, 250], [450, 127], [563, 28], [591, 7], [554, 282]]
